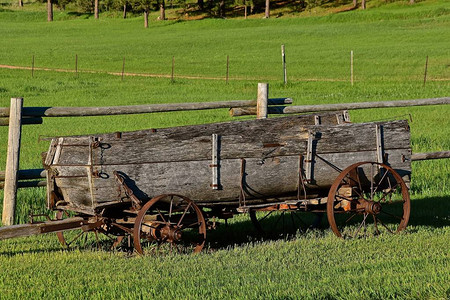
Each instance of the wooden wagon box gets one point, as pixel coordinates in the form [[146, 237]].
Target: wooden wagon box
[[256, 161]]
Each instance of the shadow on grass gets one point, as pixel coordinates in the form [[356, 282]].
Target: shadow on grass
[[426, 211], [430, 211]]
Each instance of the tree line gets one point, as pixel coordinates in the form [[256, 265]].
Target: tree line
[[212, 8]]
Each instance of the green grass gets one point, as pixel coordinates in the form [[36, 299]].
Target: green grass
[[390, 42]]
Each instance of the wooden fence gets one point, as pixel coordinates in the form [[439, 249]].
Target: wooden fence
[[16, 115]]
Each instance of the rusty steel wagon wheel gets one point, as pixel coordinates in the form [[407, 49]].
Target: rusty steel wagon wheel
[[69, 238], [171, 221], [366, 199], [88, 233]]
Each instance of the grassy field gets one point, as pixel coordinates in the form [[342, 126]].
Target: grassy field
[[390, 42]]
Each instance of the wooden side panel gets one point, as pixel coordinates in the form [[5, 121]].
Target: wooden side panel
[[177, 160]]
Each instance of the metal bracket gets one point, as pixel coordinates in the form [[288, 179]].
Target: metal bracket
[[346, 116], [317, 120], [309, 157], [215, 162], [379, 140]]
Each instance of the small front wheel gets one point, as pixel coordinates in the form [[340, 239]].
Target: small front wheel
[[170, 223]]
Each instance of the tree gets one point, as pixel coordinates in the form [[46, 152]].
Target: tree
[[363, 4], [267, 12], [201, 4], [49, 11], [20, 3], [144, 6], [96, 9], [162, 10]]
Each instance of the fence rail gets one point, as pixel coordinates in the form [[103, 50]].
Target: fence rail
[[39, 112], [237, 111]]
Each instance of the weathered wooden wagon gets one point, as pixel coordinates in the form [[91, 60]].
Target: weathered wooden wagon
[[167, 186]]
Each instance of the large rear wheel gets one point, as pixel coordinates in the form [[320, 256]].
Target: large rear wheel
[[366, 199]]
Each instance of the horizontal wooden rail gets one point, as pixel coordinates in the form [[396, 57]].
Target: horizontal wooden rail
[[134, 109], [25, 121], [237, 111], [26, 184], [27, 174], [430, 155]]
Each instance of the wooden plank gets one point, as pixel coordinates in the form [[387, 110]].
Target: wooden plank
[[23, 230], [430, 155], [27, 184], [275, 177], [12, 161], [25, 121], [257, 138], [26, 174], [365, 105]]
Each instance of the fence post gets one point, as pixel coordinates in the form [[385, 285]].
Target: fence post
[[12, 161], [425, 74], [261, 101], [283, 59], [351, 67]]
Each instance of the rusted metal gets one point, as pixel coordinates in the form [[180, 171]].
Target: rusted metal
[[364, 191], [168, 222]]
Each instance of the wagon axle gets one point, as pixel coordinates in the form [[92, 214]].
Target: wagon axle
[[368, 206]]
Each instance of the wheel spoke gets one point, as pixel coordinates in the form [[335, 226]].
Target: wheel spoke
[[360, 225], [389, 193], [184, 213], [375, 223], [268, 214], [278, 220], [191, 225], [162, 217], [351, 217], [170, 209], [392, 215], [384, 226], [381, 180], [75, 238]]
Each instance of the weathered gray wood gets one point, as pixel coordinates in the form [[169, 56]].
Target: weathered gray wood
[[26, 184], [262, 100], [25, 121], [275, 177], [135, 109], [26, 174], [430, 155], [255, 138], [283, 59], [178, 160], [364, 105], [12, 161], [23, 230], [351, 67]]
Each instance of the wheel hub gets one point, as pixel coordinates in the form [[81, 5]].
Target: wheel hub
[[369, 206], [171, 234]]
